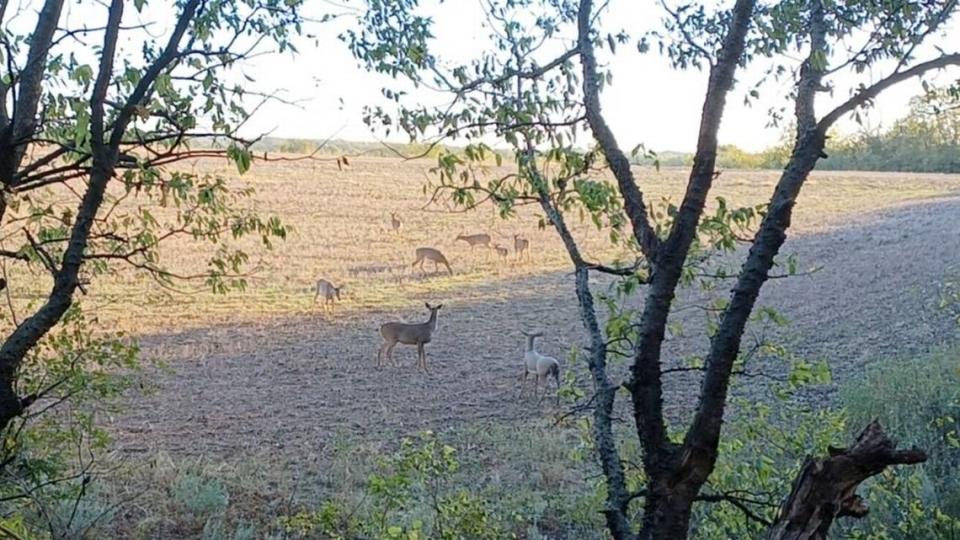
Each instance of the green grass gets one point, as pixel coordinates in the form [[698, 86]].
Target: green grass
[[917, 401]]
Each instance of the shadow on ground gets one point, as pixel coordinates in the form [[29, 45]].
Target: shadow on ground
[[291, 387]]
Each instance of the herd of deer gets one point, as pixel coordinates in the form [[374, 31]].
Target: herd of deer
[[540, 366]]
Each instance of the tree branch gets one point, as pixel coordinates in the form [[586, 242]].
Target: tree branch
[[30, 90], [870, 92], [144, 86], [645, 385], [633, 202]]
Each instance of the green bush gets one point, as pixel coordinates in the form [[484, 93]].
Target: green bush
[[918, 403], [202, 496], [410, 498]]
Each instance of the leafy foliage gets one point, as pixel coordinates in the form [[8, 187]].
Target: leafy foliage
[[918, 400], [522, 88], [417, 476], [93, 188]]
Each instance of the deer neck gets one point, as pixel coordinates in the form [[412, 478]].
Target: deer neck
[[531, 346]]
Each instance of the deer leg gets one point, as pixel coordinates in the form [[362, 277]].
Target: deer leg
[[523, 383], [390, 353], [421, 357]]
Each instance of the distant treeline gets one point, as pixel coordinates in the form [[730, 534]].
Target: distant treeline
[[339, 147], [926, 140]]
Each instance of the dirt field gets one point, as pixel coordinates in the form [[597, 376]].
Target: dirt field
[[265, 373]]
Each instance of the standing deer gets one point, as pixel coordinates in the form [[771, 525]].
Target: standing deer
[[474, 240], [395, 222], [408, 334], [521, 246], [328, 291], [501, 251], [540, 365], [430, 254]]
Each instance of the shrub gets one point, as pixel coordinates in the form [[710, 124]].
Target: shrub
[[202, 496], [918, 402]]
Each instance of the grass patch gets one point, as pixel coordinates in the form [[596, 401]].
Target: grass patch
[[917, 400]]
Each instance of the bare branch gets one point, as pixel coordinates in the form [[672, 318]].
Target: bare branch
[[103, 75]]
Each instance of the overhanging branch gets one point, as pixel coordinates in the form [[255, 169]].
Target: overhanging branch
[[868, 93]]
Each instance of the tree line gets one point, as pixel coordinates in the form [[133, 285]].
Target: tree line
[[926, 139]]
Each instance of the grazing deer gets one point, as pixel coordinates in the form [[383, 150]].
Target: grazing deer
[[395, 222], [408, 334], [521, 246], [501, 251], [474, 240], [430, 254], [540, 365], [327, 290]]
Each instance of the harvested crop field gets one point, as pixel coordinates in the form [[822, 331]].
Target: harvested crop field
[[266, 373]]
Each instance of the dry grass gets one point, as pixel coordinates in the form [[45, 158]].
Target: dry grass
[[341, 231], [267, 364], [265, 377]]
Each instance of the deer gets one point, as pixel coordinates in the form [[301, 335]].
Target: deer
[[395, 222], [540, 365], [431, 254], [521, 246], [408, 334], [328, 291], [501, 251], [482, 239]]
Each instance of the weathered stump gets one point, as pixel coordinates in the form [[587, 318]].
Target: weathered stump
[[825, 488]]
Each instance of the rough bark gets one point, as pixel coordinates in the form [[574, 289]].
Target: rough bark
[[825, 488], [105, 154], [703, 437], [634, 206], [16, 134], [668, 501], [618, 499]]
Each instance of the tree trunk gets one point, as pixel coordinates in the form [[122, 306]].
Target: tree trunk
[[667, 515], [825, 488]]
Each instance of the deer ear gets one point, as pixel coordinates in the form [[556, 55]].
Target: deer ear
[[428, 305], [440, 306]]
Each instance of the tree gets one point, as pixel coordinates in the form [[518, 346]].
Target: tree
[[92, 121], [535, 101], [926, 139]]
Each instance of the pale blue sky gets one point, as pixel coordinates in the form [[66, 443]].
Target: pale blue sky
[[648, 103]]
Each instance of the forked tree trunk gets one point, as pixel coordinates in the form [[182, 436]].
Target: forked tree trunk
[[825, 488]]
